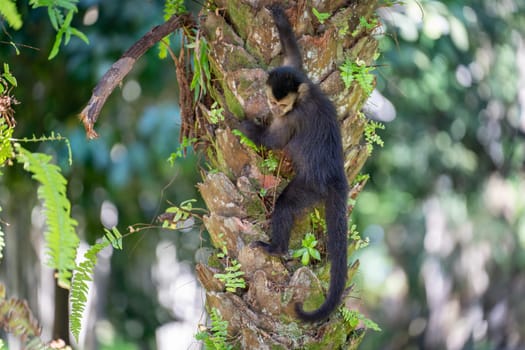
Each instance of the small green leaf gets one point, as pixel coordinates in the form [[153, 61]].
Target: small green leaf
[[79, 35], [114, 237], [53, 17], [245, 140], [297, 253], [305, 259], [321, 16], [8, 76], [315, 254], [56, 45]]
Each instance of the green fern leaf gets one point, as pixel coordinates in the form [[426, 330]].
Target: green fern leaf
[[61, 239], [10, 13], [82, 276], [6, 148], [80, 289]]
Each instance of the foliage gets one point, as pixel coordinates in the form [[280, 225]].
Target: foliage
[[180, 152], [216, 113], [367, 25], [83, 275], [215, 338], [355, 236], [353, 317], [270, 162], [343, 29], [359, 72], [9, 11], [317, 221], [6, 148], [52, 137], [360, 178], [201, 65], [171, 8], [308, 250], [371, 136], [67, 80], [245, 140], [16, 318], [176, 217], [6, 79], [232, 278], [61, 238], [321, 16], [61, 14]]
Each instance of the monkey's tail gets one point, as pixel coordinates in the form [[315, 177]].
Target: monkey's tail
[[335, 209]]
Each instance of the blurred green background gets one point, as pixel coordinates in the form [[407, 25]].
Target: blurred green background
[[444, 207]]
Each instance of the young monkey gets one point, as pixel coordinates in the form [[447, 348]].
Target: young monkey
[[305, 124]]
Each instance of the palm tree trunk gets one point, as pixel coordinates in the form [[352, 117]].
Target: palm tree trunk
[[240, 192]]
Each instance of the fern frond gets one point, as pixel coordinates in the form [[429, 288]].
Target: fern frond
[[6, 148], [83, 275], [114, 237], [353, 317], [61, 239], [216, 336], [53, 137], [16, 318], [359, 72], [79, 288], [10, 13]]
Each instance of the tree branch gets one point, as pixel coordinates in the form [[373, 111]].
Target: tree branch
[[123, 66]]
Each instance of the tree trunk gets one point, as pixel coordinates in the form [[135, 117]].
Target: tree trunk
[[240, 191]]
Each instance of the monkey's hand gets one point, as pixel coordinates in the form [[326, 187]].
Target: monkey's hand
[[278, 15], [252, 131]]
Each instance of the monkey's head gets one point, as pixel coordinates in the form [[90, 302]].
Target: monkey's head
[[284, 88]]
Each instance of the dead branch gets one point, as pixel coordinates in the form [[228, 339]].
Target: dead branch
[[123, 66]]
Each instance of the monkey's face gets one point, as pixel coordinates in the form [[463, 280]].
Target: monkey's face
[[279, 107]]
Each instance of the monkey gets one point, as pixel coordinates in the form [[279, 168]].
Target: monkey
[[304, 124]]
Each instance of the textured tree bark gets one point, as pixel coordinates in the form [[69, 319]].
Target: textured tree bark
[[240, 194]]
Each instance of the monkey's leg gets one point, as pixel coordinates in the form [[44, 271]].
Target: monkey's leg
[[294, 198]]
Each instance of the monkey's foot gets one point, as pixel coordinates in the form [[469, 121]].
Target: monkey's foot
[[270, 249]]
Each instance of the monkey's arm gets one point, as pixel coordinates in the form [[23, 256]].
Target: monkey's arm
[[273, 137], [292, 54]]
